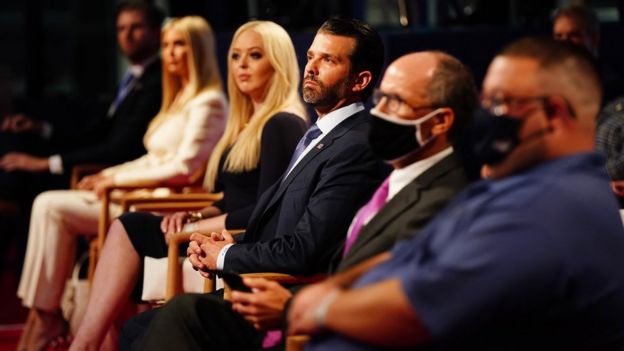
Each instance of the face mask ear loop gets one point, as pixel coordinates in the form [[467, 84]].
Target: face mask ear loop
[[419, 123]]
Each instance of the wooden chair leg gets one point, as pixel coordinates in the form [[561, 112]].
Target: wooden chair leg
[[174, 281], [296, 342]]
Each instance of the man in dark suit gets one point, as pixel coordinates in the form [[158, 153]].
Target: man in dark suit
[[110, 138], [114, 137], [434, 90], [298, 223]]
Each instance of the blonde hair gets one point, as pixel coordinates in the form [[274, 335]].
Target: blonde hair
[[244, 129], [202, 66]]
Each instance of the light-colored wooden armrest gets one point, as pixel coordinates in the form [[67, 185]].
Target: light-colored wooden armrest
[[296, 342], [130, 200], [174, 283], [170, 206], [79, 171]]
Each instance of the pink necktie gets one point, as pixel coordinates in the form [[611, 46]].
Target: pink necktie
[[272, 338], [369, 210]]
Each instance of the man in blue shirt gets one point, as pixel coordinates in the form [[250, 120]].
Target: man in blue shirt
[[529, 259]]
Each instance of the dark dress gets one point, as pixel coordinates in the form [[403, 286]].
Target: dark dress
[[240, 190]]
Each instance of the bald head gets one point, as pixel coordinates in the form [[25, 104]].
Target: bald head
[[409, 77], [436, 79]]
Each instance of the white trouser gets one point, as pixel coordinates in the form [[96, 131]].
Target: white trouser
[[57, 218]]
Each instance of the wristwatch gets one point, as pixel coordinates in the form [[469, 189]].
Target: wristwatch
[[194, 216]]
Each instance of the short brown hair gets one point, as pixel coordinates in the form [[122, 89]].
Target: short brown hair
[[368, 54], [584, 16]]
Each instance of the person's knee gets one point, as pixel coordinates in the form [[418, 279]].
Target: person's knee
[[181, 307], [49, 202]]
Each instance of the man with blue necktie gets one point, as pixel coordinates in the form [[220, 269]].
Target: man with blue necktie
[[112, 138]]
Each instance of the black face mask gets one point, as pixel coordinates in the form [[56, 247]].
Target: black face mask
[[392, 138], [489, 138]]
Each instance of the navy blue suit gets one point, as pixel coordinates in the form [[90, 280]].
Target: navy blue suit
[[300, 221]]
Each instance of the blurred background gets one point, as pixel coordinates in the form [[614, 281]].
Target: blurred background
[[57, 53]]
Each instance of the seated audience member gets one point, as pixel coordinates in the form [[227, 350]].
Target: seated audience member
[[580, 25], [179, 141], [610, 141], [112, 138], [267, 119], [530, 259], [300, 221], [424, 100]]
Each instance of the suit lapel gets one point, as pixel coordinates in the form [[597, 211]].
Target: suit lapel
[[322, 146], [403, 201]]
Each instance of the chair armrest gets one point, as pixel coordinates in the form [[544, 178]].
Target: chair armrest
[[170, 206], [296, 342], [174, 283], [130, 200], [80, 171]]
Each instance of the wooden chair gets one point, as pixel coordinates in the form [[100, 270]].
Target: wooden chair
[[140, 193]]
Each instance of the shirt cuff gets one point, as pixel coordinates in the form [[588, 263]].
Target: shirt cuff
[[221, 257], [56, 164], [46, 130]]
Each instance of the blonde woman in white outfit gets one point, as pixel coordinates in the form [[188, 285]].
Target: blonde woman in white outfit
[[179, 141]]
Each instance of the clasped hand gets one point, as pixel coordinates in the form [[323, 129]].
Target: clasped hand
[[203, 250]]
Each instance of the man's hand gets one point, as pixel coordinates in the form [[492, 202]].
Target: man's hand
[[264, 305], [301, 313], [16, 161], [21, 123], [203, 251]]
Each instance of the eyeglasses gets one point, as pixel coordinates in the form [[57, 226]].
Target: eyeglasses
[[394, 102], [516, 106]]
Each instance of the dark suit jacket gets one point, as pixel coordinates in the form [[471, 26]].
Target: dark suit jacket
[[119, 138], [407, 212], [299, 223]]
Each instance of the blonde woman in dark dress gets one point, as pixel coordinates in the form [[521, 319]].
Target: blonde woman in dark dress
[[266, 121]]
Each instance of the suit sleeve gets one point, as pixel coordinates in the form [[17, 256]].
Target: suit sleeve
[[125, 139], [204, 126], [345, 181], [279, 139]]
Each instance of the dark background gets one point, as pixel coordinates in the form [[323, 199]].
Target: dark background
[[60, 53]]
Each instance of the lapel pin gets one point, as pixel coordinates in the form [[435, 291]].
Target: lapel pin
[[320, 146]]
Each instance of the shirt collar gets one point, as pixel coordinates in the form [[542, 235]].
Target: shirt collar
[[137, 69], [334, 118], [400, 178]]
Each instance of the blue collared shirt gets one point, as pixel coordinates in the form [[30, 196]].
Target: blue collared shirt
[[533, 261]]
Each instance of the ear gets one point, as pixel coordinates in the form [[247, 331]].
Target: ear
[[559, 112], [443, 122], [361, 80]]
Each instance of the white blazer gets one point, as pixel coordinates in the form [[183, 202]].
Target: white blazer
[[180, 145]]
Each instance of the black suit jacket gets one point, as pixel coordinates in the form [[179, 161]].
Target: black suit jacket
[[407, 212], [118, 138], [298, 224]]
